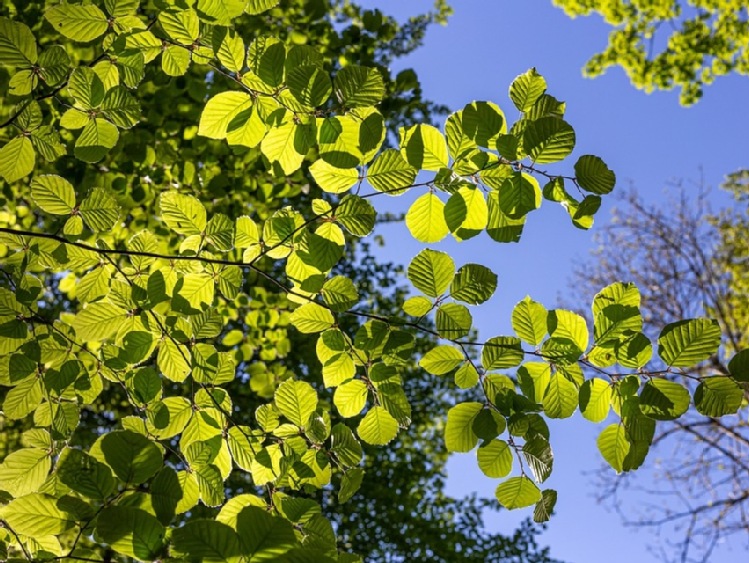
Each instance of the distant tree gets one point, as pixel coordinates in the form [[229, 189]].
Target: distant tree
[[689, 261], [668, 44]]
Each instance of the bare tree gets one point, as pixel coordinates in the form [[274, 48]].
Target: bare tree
[[687, 262]]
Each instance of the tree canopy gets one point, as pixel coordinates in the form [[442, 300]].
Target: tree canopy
[[200, 360], [668, 44]]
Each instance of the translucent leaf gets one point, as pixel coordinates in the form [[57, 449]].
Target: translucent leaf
[[78, 22], [417, 306], [100, 210], [98, 321], [459, 433], [221, 12], [207, 540], [526, 89], [529, 321], [688, 342], [466, 213], [519, 195], [358, 86], [538, 455], [616, 312], [545, 507], [220, 111], [738, 367], [182, 213], [378, 427], [568, 326], [501, 352], [517, 492], [442, 359], [310, 85], [38, 515], [332, 179], [53, 194], [473, 284], [453, 320], [424, 147], [98, 137], [24, 471], [718, 396], [312, 317], [229, 49], [548, 139], [175, 60], [345, 446], [174, 360], [121, 108], [356, 214], [17, 44], [593, 175], [431, 272], [182, 26], [255, 7], [614, 446], [661, 399], [390, 173], [133, 457], [85, 474], [595, 399], [296, 400], [500, 227], [17, 159], [561, 398], [495, 459], [130, 531], [350, 398], [350, 484], [426, 219]]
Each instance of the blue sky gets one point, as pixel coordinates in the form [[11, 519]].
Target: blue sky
[[646, 139]]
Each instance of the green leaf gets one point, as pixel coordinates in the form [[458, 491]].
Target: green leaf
[[98, 321], [561, 398], [17, 159], [264, 537], [220, 111], [312, 317], [616, 312], [500, 227], [545, 506], [182, 213], [495, 459], [529, 321], [100, 210], [255, 7], [207, 540], [130, 531], [417, 306], [296, 400], [310, 85], [466, 376], [453, 321], [37, 515], [593, 175], [424, 147], [24, 471], [17, 44], [390, 173], [501, 352], [518, 492], [183, 26], [473, 284], [86, 87], [442, 359], [350, 484], [85, 474], [526, 89], [466, 213], [78, 22], [356, 214], [661, 399], [350, 398], [175, 60], [548, 139], [539, 457], [378, 427], [53, 194], [340, 293], [426, 219], [133, 457], [595, 399], [98, 137], [459, 433], [738, 367], [688, 342], [519, 195], [358, 86], [718, 396], [614, 446], [568, 326], [431, 272], [482, 123], [121, 108], [332, 179]]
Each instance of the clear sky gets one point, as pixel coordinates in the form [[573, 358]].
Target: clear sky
[[646, 139]]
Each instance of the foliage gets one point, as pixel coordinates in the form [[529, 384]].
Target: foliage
[[689, 261], [148, 300], [708, 39]]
